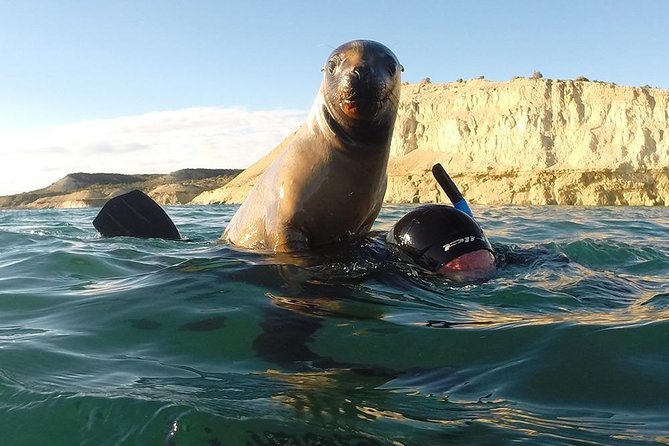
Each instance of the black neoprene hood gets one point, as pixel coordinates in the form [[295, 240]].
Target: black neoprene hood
[[433, 235]]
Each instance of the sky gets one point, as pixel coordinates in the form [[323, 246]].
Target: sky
[[145, 86]]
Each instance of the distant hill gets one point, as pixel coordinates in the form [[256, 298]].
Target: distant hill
[[94, 189], [76, 181]]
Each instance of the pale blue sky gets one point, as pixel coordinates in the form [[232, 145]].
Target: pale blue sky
[[67, 61]]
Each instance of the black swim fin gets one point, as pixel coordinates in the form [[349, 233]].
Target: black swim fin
[[135, 214]]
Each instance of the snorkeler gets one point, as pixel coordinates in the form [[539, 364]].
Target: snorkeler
[[444, 239]]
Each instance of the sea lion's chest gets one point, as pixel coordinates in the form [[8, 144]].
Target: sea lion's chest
[[325, 189]]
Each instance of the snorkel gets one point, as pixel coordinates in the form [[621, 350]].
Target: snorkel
[[451, 189], [475, 265], [446, 240]]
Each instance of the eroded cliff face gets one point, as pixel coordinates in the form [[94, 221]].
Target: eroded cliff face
[[526, 141], [533, 141]]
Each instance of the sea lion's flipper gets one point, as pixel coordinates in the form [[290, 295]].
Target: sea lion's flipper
[[135, 214]]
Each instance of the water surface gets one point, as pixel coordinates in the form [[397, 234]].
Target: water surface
[[130, 341]]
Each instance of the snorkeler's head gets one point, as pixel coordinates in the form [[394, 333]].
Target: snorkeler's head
[[444, 240]]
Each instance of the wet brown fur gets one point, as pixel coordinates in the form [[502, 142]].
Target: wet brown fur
[[328, 184]]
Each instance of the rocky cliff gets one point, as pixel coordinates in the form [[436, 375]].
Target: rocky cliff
[[526, 141]]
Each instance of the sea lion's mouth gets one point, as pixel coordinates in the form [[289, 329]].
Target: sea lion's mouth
[[359, 107]]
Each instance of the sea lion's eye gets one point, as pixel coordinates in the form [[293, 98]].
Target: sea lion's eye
[[331, 66]]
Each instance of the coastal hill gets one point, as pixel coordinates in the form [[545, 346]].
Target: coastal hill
[[528, 141], [94, 189]]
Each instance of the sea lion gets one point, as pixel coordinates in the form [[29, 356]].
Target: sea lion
[[328, 183]]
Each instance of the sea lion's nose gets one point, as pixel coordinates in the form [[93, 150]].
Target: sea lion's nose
[[361, 71]]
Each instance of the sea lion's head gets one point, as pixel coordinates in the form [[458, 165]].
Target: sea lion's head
[[361, 84]]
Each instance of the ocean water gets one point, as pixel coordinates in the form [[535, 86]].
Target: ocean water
[[151, 342]]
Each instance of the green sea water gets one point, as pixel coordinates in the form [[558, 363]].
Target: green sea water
[[151, 342]]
